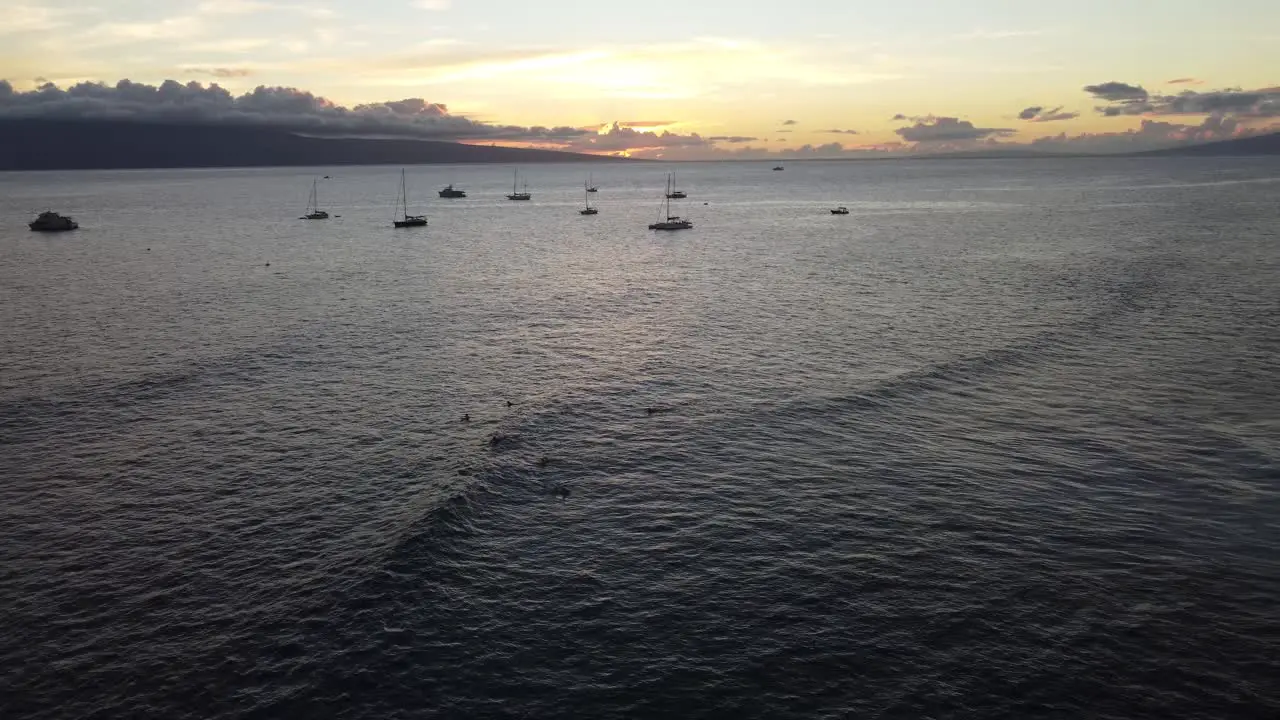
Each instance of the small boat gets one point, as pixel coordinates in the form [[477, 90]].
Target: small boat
[[405, 219], [590, 186], [523, 194], [672, 222], [842, 210], [451, 192], [313, 211], [50, 221], [779, 167], [586, 200]]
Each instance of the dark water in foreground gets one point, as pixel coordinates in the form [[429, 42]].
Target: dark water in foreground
[[1003, 443]]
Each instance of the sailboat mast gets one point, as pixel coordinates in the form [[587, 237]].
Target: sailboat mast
[[515, 177], [404, 194]]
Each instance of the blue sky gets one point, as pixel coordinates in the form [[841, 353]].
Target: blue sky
[[715, 68]]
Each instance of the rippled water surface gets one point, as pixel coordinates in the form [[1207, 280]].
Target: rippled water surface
[[1003, 442]]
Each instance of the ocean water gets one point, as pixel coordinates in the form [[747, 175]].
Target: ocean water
[[1002, 443]]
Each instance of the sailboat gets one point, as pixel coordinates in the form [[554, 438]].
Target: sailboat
[[313, 211], [672, 222], [407, 220], [586, 199], [590, 183], [674, 194], [523, 194]]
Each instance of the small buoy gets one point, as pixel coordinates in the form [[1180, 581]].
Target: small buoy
[[466, 417], [544, 461], [268, 265], [509, 403]]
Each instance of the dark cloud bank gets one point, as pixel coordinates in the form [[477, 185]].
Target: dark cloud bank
[[280, 107], [1125, 99], [298, 111]]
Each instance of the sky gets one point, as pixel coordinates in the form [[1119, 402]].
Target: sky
[[667, 78]]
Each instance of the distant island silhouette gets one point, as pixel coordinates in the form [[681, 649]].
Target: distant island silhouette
[[92, 144], [1256, 145], [45, 144]]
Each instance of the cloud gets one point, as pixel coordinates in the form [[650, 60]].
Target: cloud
[[125, 33], [840, 132], [286, 108], [619, 138], [947, 129], [1125, 99], [642, 123], [435, 5], [233, 46], [1184, 81], [1240, 103], [1039, 114], [807, 150], [1261, 103], [790, 122], [230, 7], [248, 7], [731, 138], [22, 19], [1117, 92], [220, 72], [1151, 135]]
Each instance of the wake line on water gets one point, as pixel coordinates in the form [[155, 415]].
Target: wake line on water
[[959, 372], [1209, 183], [60, 404]]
